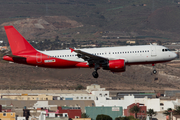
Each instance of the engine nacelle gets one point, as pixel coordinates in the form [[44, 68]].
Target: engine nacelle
[[115, 65]]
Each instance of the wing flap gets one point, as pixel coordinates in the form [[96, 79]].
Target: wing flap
[[88, 55]]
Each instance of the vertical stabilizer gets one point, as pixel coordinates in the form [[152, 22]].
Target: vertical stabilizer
[[18, 43]]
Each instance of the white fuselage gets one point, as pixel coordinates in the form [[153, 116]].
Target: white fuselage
[[131, 54]]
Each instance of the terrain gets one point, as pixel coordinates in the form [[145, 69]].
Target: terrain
[[97, 21], [45, 19], [17, 76]]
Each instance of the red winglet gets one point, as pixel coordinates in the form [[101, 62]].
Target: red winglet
[[72, 50]]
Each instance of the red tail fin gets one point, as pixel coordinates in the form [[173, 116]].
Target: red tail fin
[[17, 42]]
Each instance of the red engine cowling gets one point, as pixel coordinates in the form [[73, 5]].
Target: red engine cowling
[[115, 66]]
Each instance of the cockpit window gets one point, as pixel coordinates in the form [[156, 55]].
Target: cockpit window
[[164, 50]]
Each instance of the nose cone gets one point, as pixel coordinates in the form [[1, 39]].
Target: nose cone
[[174, 55]]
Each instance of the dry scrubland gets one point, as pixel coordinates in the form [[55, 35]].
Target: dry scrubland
[[16, 76]]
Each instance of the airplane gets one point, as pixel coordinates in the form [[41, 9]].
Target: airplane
[[114, 59]]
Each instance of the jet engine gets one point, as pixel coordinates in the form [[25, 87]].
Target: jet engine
[[115, 65]]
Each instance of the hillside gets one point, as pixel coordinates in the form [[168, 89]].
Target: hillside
[[85, 20], [42, 27], [16, 76], [141, 17]]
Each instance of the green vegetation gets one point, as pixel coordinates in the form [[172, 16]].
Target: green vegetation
[[176, 111], [79, 87], [84, 115], [150, 113], [135, 109], [126, 118], [103, 117], [168, 112]]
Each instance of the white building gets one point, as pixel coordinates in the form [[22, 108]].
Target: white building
[[102, 101], [43, 104], [128, 100], [94, 87], [149, 103], [76, 97], [20, 118]]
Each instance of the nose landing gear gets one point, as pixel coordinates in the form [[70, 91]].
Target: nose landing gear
[[154, 71]]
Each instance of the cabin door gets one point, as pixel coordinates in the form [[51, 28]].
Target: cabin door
[[39, 58], [153, 51]]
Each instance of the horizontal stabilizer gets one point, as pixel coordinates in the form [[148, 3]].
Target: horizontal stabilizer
[[14, 56]]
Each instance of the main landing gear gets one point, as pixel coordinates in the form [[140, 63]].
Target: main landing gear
[[95, 73], [154, 71]]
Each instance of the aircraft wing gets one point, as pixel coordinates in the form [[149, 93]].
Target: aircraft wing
[[88, 56]]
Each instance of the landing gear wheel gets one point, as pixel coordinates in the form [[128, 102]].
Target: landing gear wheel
[[95, 74], [154, 71]]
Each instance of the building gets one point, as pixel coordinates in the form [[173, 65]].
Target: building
[[8, 115], [126, 101], [82, 119], [20, 118], [28, 97], [72, 112], [176, 117], [130, 42], [112, 111], [74, 97], [171, 93], [94, 87], [141, 115], [2, 48], [136, 94], [150, 103]]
